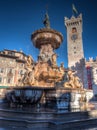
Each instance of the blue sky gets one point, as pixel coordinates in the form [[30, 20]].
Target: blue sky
[[20, 18]]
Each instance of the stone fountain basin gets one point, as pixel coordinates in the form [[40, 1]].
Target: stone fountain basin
[[45, 36], [25, 95]]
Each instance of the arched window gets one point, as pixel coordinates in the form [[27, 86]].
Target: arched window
[[1, 70], [74, 30], [9, 80]]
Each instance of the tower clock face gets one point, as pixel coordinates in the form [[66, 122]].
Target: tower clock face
[[74, 37]]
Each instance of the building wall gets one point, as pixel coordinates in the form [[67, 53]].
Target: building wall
[[92, 64], [11, 67]]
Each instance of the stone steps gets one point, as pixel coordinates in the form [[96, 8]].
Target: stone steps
[[18, 123], [47, 120], [45, 115]]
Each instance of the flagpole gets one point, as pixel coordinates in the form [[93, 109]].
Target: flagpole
[[74, 10]]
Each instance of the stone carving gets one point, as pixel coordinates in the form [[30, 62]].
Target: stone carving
[[73, 81], [46, 75], [54, 59], [42, 74], [51, 75], [46, 53], [61, 68], [28, 77], [29, 63]]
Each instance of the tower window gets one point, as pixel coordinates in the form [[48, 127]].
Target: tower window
[[9, 80], [21, 72], [10, 71], [11, 53], [21, 64], [1, 70], [74, 30], [74, 52]]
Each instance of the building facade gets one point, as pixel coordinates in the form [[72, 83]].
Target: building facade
[[91, 74], [11, 67]]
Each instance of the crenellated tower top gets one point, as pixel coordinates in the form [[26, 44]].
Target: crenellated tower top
[[73, 21]]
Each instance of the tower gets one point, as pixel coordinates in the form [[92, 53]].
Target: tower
[[75, 44], [74, 40]]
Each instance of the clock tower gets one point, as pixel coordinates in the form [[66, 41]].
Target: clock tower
[[74, 40], [75, 44]]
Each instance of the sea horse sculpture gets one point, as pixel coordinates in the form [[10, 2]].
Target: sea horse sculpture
[[73, 81]]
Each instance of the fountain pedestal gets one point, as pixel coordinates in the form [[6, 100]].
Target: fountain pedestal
[[64, 98]]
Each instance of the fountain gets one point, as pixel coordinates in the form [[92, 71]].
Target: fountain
[[46, 83]]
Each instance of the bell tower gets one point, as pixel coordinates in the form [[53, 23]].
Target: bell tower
[[75, 44], [74, 40]]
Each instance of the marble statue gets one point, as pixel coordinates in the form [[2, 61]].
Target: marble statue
[[73, 81], [46, 21], [44, 74], [54, 59]]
